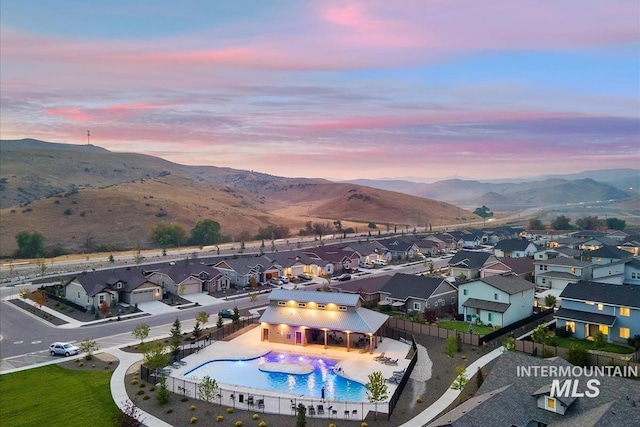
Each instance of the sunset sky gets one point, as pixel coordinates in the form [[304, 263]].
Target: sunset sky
[[333, 89]]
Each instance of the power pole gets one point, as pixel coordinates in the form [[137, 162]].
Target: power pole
[[88, 137]]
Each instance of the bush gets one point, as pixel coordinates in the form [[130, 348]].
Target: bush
[[193, 420], [547, 352], [229, 410], [140, 392], [563, 332], [451, 346], [255, 416], [577, 355], [419, 400], [238, 423], [262, 424], [192, 407], [142, 385], [184, 399], [363, 424], [219, 418], [168, 411], [146, 397]]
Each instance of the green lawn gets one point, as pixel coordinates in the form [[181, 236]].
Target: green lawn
[[591, 345], [455, 325], [52, 395]]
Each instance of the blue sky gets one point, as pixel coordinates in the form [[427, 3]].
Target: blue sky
[[332, 89]]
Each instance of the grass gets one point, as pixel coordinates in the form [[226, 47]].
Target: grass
[[455, 325], [591, 345], [35, 397]]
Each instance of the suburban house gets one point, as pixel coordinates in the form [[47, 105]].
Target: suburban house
[[111, 286], [428, 248], [496, 300], [521, 267], [469, 263], [514, 248], [557, 272], [509, 398], [189, 279], [632, 272], [446, 241], [631, 244], [409, 292], [557, 251], [295, 263], [606, 255], [589, 307], [325, 318], [400, 249], [241, 271], [568, 241], [340, 259], [368, 288], [369, 251]]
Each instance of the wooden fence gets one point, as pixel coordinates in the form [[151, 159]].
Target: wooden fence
[[432, 330]]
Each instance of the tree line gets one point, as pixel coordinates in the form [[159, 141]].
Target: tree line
[[594, 223]]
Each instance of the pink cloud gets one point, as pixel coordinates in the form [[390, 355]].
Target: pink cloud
[[109, 112]]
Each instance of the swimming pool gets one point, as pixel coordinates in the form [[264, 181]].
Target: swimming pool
[[247, 373]]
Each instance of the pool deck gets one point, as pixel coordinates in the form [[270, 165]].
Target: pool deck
[[354, 365]]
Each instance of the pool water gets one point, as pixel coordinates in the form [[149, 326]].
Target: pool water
[[246, 373]]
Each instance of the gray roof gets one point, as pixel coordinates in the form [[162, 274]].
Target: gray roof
[[338, 298], [98, 281], [585, 316], [402, 286], [559, 275], [624, 295], [361, 320], [506, 399], [522, 265], [497, 307], [510, 245], [288, 259], [469, 259], [244, 265], [366, 285], [563, 261], [510, 284], [608, 252]]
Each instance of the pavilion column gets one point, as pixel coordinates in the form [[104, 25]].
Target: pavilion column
[[348, 341], [370, 343], [326, 333]]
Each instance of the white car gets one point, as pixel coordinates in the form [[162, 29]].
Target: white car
[[275, 281], [63, 348], [379, 262], [284, 279]]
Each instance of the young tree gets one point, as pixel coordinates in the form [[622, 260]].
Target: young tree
[[202, 317], [39, 297], [207, 389], [220, 322], [235, 317], [154, 355], [176, 338], [377, 390], [141, 332], [616, 223], [479, 378], [561, 223], [111, 259], [104, 308], [535, 224], [30, 245], [550, 301], [600, 339], [451, 346], [197, 330], [301, 415], [88, 346], [163, 395]]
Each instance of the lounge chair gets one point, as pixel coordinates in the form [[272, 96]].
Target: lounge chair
[[384, 360], [320, 409], [400, 372], [391, 362], [261, 404], [312, 411], [378, 357]]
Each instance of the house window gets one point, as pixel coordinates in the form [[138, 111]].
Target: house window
[[573, 270], [496, 297], [590, 303], [453, 300], [490, 317], [599, 260], [600, 307], [604, 329], [428, 305], [571, 326], [282, 303], [543, 267], [321, 306], [625, 333], [625, 311], [101, 298], [635, 275], [551, 403], [78, 294], [302, 304], [465, 292], [417, 306], [544, 281], [342, 308]]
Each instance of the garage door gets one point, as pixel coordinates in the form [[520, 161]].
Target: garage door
[[143, 296]]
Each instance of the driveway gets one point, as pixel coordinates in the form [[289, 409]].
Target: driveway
[[156, 307], [203, 299]]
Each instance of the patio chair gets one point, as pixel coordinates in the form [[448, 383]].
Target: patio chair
[[320, 409], [354, 412], [312, 411], [250, 401], [378, 357], [346, 413], [391, 362], [384, 360], [261, 404], [293, 406], [400, 372]]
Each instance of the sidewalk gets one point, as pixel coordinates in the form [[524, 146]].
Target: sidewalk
[[429, 414]]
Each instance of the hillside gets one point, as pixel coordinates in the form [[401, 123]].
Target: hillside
[[86, 198]]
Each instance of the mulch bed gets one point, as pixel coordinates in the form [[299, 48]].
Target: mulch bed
[[99, 362], [40, 313]]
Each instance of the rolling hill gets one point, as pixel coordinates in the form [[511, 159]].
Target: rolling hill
[[85, 198]]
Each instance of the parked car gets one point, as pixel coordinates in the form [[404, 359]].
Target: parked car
[[305, 276], [275, 281], [366, 265], [344, 277], [379, 262], [226, 313], [284, 279], [63, 348]]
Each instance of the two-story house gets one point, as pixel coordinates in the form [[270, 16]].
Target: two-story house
[[189, 279], [419, 293], [325, 318], [243, 270], [514, 248], [496, 300], [589, 307], [400, 249], [467, 264], [556, 273], [340, 259]]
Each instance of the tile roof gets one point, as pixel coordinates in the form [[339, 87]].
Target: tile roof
[[498, 307], [624, 295], [585, 316]]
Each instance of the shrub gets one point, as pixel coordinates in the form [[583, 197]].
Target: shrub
[[563, 332], [238, 423], [142, 385], [184, 399], [140, 392], [419, 400], [363, 424], [168, 411], [146, 397], [547, 352], [106, 366], [229, 410], [451, 346], [219, 418], [80, 364], [192, 407], [577, 355], [255, 416], [193, 420], [152, 388], [332, 425], [262, 424]]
